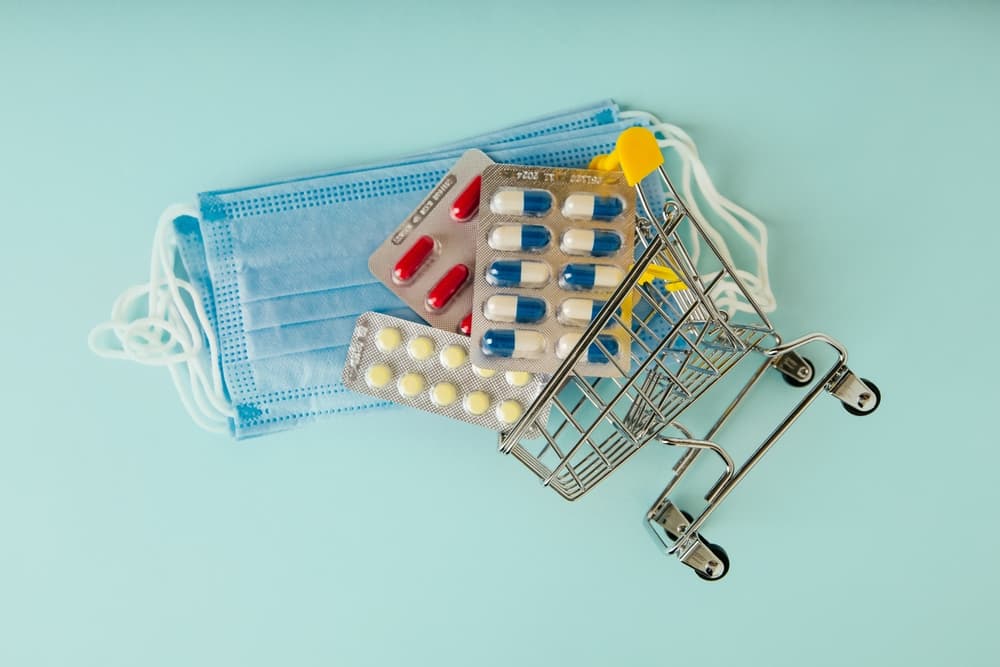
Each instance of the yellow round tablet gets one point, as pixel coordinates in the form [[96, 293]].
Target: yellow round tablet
[[410, 384], [509, 412], [517, 378], [453, 356], [483, 372], [420, 348], [476, 403], [388, 339], [378, 376], [444, 393]]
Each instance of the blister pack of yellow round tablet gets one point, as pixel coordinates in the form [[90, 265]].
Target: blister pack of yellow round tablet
[[430, 369]]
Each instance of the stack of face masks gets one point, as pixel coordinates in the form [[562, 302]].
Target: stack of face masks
[[253, 295]]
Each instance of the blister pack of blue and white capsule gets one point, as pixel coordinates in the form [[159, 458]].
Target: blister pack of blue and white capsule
[[429, 260], [552, 245], [430, 369]]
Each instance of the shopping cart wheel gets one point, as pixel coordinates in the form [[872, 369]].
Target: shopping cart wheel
[[878, 399], [723, 557], [797, 380]]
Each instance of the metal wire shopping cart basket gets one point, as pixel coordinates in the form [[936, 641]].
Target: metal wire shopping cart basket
[[682, 343]]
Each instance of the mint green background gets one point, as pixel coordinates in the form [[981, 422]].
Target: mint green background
[[865, 135]]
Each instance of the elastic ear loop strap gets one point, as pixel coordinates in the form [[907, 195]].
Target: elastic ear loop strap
[[728, 296], [171, 333]]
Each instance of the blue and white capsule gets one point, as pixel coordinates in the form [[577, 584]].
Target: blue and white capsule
[[585, 206], [515, 201], [511, 308], [580, 312], [517, 273], [513, 343], [593, 242], [595, 355], [512, 238], [590, 276]]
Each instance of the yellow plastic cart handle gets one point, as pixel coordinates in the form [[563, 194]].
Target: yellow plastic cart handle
[[636, 153]]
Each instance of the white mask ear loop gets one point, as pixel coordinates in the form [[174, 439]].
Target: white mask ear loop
[[172, 333], [746, 225], [728, 296]]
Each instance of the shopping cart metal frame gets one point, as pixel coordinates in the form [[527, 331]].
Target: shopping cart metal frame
[[598, 424]]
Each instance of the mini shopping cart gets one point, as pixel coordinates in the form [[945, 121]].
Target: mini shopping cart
[[682, 343]]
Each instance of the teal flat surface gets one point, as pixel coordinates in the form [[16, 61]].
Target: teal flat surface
[[866, 136]]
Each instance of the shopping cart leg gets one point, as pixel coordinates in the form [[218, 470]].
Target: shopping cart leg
[[676, 529], [709, 561], [795, 369], [859, 396]]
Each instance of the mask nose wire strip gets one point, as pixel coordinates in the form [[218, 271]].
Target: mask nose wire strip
[[172, 332], [746, 225]]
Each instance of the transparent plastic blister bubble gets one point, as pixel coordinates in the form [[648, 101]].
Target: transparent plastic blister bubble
[[552, 244], [431, 369], [429, 260]]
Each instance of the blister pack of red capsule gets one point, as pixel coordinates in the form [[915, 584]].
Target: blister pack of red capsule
[[423, 367], [429, 260], [552, 244]]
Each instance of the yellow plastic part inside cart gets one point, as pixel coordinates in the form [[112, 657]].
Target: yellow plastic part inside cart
[[655, 271], [636, 153]]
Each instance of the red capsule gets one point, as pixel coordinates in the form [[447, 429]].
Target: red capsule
[[413, 259], [442, 293], [466, 326], [467, 203]]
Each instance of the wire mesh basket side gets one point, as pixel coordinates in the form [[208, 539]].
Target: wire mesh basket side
[[681, 343]]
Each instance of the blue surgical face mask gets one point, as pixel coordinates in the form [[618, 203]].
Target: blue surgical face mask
[[195, 324], [280, 375], [254, 343]]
